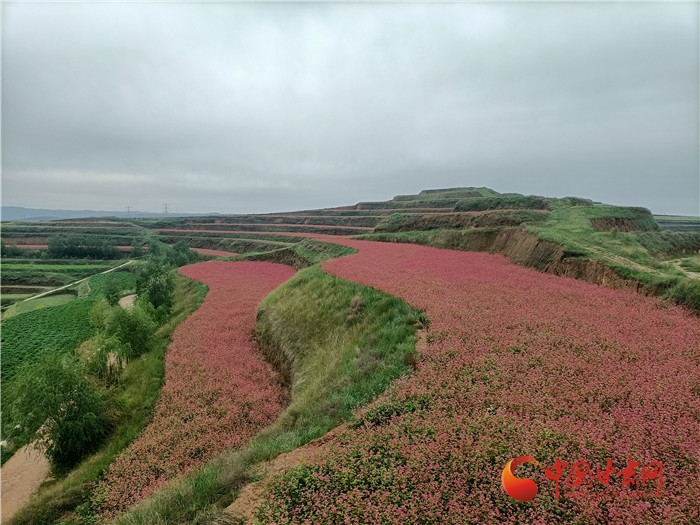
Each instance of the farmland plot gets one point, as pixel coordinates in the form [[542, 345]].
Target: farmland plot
[[218, 392], [518, 363]]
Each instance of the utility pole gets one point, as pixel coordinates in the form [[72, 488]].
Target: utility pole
[[165, 208]]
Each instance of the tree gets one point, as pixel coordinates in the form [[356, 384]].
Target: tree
[[137, 248], [112, 291], [180, 254], [58, 409], [156, 283]]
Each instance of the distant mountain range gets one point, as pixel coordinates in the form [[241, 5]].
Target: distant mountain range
[[18, 213]]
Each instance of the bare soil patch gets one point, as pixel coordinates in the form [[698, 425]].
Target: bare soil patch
[[255, 494], [127, 301], [21, 477]]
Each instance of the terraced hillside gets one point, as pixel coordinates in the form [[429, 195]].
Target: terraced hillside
[[512, 367], [507, 362], [621, 247], [617, 246]]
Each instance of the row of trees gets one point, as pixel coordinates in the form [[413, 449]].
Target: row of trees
[[82, 247]]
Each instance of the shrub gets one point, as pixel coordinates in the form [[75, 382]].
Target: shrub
[[112, 291], [82, 246], [110, 358], [686, 292], [132, 328], [99, 314]]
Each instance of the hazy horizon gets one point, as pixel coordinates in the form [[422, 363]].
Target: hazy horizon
[[260, 108]]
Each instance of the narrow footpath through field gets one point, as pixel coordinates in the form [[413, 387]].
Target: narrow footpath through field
[[218, 392]]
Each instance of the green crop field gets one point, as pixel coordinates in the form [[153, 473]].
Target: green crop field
[[52, 323], [22, 307], [58, 329], [7, 299], [125, 281]]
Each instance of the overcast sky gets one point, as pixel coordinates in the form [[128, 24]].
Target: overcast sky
[[272, 107]]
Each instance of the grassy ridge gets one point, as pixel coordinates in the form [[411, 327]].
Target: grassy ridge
[[130, 405], [341, 343], [363, 220], [55, 267], [398, 222], [225, 242], [514, 201], [300, 255], [448, 193]]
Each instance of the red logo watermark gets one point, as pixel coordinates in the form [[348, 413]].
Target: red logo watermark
[[579, 483]]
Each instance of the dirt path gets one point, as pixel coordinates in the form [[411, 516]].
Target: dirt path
[[255, 494], [627, 262], [127, 301], [622, 260], [76, 282], [677, 264], [21, 477]]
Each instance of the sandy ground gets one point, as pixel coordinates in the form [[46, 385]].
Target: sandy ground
[[127, 301], [21, 476]]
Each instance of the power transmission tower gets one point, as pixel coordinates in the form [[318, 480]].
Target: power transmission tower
[[128, 211], [165, 208]]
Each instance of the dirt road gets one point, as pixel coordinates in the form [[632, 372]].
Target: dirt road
[[21, 477], [127, 301]]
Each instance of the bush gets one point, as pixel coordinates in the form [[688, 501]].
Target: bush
[[99, 314], [158, 315], [112, 292], [59, 410], [686, 292], [110, 358], [132, 328]]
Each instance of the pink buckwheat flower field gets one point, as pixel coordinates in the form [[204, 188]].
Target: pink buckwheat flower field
[[218, 392], [518, 363]]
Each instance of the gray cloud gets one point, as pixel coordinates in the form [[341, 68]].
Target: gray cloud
[[254, 108]]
